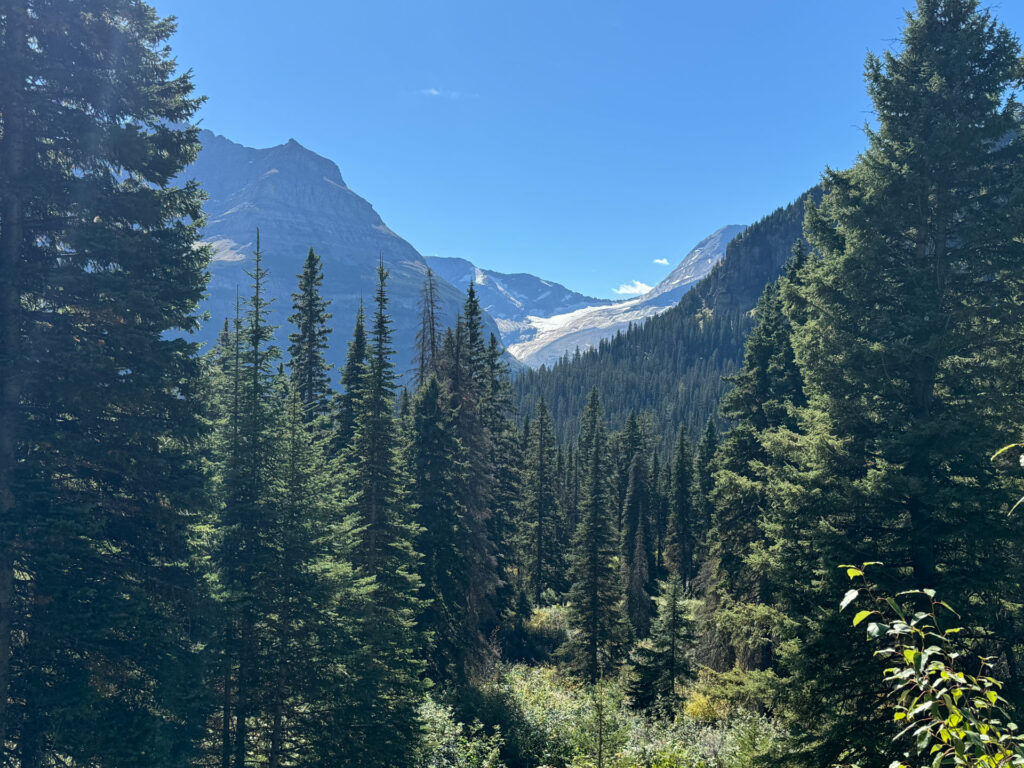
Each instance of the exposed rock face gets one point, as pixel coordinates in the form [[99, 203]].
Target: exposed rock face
[[299, 199]]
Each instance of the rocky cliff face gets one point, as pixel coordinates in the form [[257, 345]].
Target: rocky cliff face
[[299, 199]]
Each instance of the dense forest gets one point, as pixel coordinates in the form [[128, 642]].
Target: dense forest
[[251, 555]]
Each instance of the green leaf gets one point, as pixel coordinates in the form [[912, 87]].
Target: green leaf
[[861, 615], [877, 629], [848, 598], [854, 572], [896, 607]]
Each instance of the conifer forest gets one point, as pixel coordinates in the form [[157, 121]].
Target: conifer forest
[[775, 525]]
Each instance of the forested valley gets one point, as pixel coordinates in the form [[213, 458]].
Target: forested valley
[[253, 555]]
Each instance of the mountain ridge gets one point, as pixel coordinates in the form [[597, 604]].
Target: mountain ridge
[[299, 199], [511, 297]]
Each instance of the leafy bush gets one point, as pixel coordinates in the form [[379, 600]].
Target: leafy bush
[[952, 717], [445, 743], [554, 720]]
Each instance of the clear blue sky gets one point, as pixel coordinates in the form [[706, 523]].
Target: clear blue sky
[[579, 141]]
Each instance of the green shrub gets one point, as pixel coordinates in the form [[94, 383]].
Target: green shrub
[[950, 717], [446, 743]]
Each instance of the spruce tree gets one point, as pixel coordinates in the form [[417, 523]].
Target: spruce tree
[[281, 561], [660, 664], [428, 338], [437, 469], [765, 395], [471, 388], [506, 472], [539, 506], [595, 592], [388, 660], [309, 341], [346, 402], [682, 525], [99, 412], [637, 549], [659, 515], [704, 468], [905, 331], [246, 554]]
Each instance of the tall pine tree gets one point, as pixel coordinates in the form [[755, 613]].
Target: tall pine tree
[[595, 593], [388, 661], [537, 535], [99, 477], [309, 341], [346, 403]]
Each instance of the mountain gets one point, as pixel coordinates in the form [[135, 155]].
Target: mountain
[[547, 338], [511, 299], [299, 199], [673, 364]]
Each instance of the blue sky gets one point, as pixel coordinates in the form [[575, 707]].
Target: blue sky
[[592, 143]]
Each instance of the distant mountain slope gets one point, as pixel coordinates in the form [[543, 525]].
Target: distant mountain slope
[[299, 199], [553, 336], [511, 298], [673, 363]]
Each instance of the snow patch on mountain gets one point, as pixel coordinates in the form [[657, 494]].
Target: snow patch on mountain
[[512, 298], [548, 337]]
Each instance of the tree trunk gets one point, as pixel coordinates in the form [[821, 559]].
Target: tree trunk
[[13, 151], [242, 699], [277, 724], [225, 755]]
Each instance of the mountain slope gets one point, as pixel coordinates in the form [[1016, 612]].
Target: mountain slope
[[673, 363], [299, 199], [555, 336], [512, 298]]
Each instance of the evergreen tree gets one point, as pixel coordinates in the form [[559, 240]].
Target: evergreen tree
[[765, 395], [428, 341], [904, 331], [99, 412], [704, 468], [388, 662], [539, 506], [346, 403], [309, 341], [660, 665], [595, 594], [246, 555], [280, 560], [471, 389], [637, 550], [659, 515], [682, 525], [625, 446], [506, 467], [437, 470]]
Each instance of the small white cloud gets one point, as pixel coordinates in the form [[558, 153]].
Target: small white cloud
[[634, 288], [663, 262], [441, 93]]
